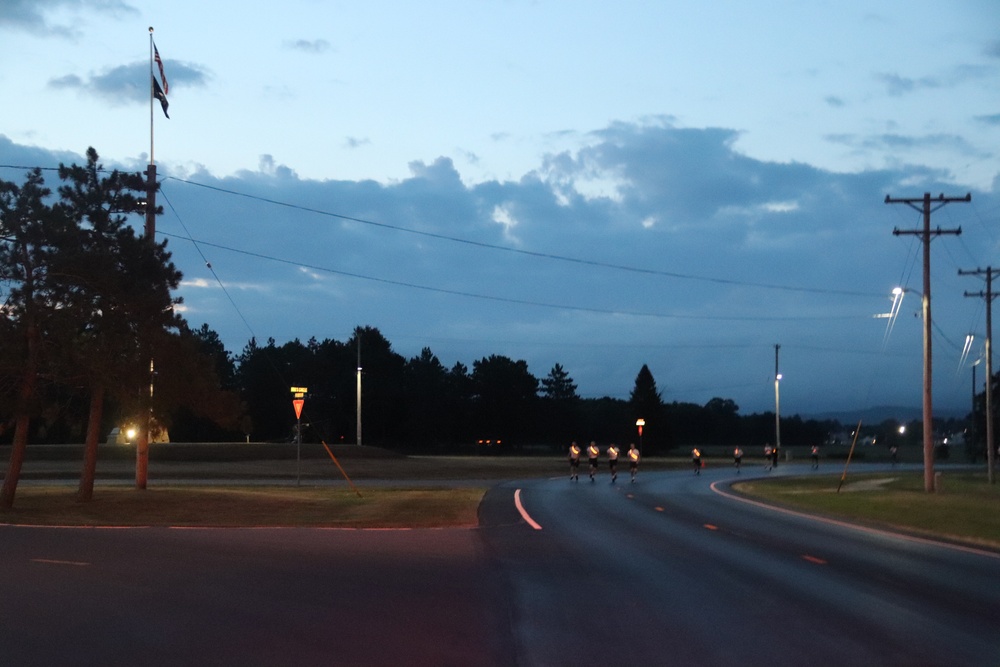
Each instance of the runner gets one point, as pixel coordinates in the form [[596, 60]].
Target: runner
[[574, 462], [613, 462], [633, 461], [592, 453]]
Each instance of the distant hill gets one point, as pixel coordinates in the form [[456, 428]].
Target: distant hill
[[878, 414]]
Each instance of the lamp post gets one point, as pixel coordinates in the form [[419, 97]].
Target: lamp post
[[639, 423], [777, 402], [357, 333]]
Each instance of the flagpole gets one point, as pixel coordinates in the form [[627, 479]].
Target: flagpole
[[145, 419], [150, 94]]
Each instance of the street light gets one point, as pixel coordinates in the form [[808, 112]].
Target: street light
[[777, 403], [639, 423]]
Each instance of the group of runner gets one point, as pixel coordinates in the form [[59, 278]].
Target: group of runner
[[594, 453]]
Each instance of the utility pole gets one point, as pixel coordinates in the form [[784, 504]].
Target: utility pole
[[989, 272], [925, 234]]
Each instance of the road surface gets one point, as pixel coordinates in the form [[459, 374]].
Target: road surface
[[670, 572], [663, 572]]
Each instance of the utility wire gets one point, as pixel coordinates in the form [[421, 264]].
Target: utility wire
[[208, 265], [523, 302], [530, 253]]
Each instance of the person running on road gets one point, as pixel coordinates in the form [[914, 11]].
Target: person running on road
[[574, 461], [738, 458], [633, 461], [767, 456], [613, 462], [815, 456], [592, 453], [696, 459]]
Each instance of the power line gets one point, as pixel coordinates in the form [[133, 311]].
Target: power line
[[522, 302], [529, 253]]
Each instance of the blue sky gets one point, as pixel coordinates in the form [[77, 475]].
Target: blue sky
[[678, 184]]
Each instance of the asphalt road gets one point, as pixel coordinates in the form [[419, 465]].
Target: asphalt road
[[663, 572], [160, 596], [669, 572]]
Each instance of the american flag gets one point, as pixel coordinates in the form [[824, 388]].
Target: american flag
[[159, 63]]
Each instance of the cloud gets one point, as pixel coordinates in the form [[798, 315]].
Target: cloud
[[703, 260], [897, 86], [32, 16], [314, 46], [892, 143], [128, 84], [357, 142], [989, 119]]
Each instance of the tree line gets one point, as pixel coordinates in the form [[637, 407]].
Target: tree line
[[420, 405]]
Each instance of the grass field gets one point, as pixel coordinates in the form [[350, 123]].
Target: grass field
[[967, 508], [207, 506]]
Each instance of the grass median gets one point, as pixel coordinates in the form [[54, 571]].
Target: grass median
[[966, 508], [212, 506]]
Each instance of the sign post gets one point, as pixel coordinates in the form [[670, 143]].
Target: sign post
[[298, 400]]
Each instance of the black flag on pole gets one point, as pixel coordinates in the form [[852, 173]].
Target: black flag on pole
[[158, 94]]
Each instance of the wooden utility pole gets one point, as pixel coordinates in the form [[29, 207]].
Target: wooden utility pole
[[926, 208], [989, 272]]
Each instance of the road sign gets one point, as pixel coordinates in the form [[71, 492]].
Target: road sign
[[297, 404]]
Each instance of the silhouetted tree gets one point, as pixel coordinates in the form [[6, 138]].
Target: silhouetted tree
[[560, 405], [426, 386], [646, 403], [26, 253], [506, 396], [119, 288]]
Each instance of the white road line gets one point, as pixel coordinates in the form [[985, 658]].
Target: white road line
[[524, 515]]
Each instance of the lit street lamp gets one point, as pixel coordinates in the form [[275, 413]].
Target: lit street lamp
[[777, 403], [639, 423]]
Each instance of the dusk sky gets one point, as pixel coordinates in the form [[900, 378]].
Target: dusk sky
[[599, 185]]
